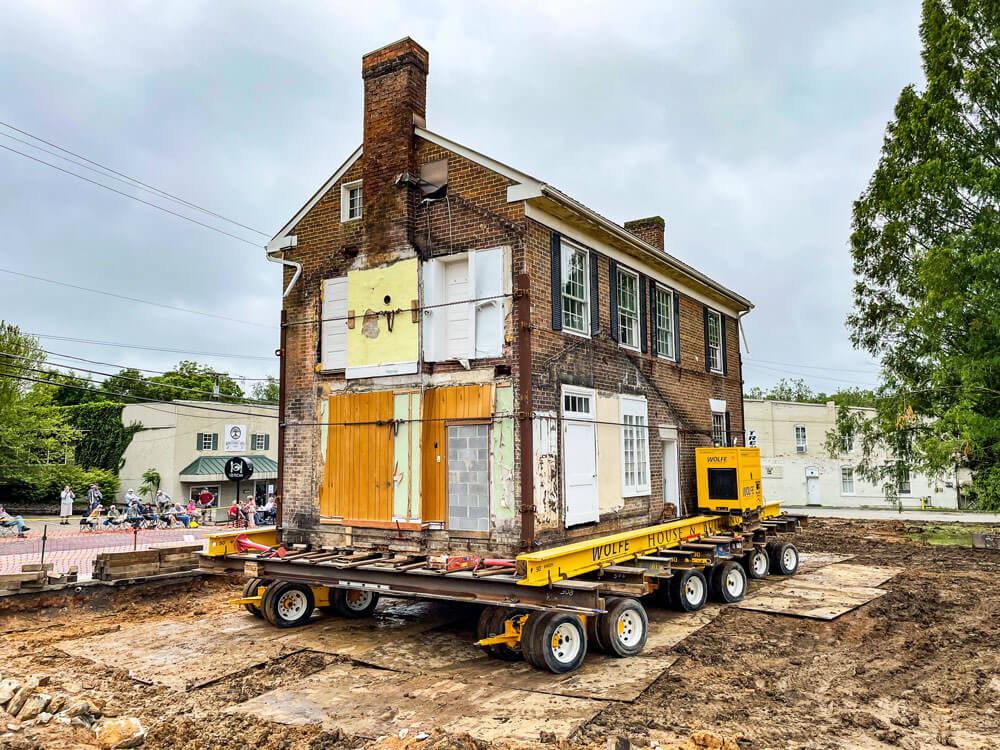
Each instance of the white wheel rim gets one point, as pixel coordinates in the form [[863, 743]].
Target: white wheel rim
[[361, 599], [629, 627], [734, 582], [565, 643], [759, 562], [694, 590], [292, 605], [789, 558]]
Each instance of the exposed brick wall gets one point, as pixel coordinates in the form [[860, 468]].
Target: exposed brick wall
[[650, 230]]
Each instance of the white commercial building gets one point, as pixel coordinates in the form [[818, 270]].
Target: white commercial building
[[798, 470], [189, 442]]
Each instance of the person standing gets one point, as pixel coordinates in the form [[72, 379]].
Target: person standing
[[66, 505], [94, 497]]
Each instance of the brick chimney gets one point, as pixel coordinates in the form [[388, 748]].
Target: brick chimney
[[395, 80], [650, 230]]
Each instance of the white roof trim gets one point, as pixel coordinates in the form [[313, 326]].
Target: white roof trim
[[319, 194]]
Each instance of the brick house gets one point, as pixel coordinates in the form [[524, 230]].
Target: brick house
[[408, 355]]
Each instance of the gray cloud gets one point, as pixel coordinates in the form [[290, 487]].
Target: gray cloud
[[751, 127]]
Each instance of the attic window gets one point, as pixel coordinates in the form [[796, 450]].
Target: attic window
[[350, 201]]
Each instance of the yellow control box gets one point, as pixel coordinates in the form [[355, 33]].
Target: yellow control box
[[728, 479]]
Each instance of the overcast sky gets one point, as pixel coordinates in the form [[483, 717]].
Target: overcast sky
[[749, 126]]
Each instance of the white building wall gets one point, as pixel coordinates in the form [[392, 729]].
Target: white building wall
[[787, 471]]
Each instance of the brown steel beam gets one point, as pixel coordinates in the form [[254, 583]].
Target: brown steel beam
[[524, 411]]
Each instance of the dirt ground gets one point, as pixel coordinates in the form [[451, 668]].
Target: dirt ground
[[918, 667]]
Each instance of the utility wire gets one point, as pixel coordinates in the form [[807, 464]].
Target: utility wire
[[147, 348], [127, 195], [808, 367], [809, 375], [152, 383], [419, 308], [134, 299], [130, 367], [127, 180]]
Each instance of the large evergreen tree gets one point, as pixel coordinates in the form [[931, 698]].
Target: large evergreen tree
[[926, 249]]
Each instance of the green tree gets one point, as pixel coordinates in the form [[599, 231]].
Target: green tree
[[266, 390], [103, 438], [926, 250], [150, 483], [798, 390]]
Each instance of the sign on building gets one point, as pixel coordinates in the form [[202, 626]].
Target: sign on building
[[751, 438], [236, 437]]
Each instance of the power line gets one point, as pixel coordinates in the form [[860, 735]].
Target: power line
[[121, 177], [810, 375], [127, 195], [147, 348], [809, 367], [134, 299], [130, 367], [419, 308]]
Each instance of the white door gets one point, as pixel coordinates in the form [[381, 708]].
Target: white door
[[456, 289], [579, 456], [671, 476], [812, 490]]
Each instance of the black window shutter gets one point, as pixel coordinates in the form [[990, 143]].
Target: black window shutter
[[643, 329], [708, 359], [198, 445], [595, 304], [555, 245], [677, 328], [729, 429], [215, 441], [613, 296], [267, 441], [722, 328], [653, 319]]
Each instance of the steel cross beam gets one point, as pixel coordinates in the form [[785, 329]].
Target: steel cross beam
[[570, 560]]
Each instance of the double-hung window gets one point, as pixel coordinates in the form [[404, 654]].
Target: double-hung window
[[719, 436], [846, 480], [575, 301], [902, 479], [635, 446], [847, 443], [801, 446], [350, 201], [628, 308], [663, 319], [713, 331]]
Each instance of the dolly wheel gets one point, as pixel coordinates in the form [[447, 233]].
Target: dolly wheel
[[496, 627], [483, 627], [623, 628], [729, 583], [784, 558], [251, 590], [287, 604], [690, 590], [355, 603], [528, 640], [757, 563], [593, 631], [559, 642]]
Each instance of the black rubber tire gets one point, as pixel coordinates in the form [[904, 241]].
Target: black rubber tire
[[483, 628], [683, 596], [528, 638], [343, 602], [274, 611], [623, 628], [728, 583], [593, 634], [497, 622], [329, 609], [251, 590], [559, 642], [662, 595], [784, 558], [752, 563]]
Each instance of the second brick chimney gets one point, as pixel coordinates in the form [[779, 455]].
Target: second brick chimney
[[395, 80], [650, 230]]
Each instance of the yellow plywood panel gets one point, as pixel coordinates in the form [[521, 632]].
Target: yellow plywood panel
[[357, 481], [383, 339], [466, 403]]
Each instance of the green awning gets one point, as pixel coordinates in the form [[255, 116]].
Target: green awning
[[214, 467]]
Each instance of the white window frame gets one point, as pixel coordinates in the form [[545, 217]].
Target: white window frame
[[802, 447], [345, 201], [568, 249], [720, 417], [258, 442], [206, 437], [715, 359], [847, 474], [635, 408], [847, 444], [633, 316], [909, 483], [658, 289]]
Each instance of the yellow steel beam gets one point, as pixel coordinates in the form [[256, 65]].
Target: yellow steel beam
[[224, 543], [570, 560]]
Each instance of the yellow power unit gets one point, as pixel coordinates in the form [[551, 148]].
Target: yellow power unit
[[728, 479]]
